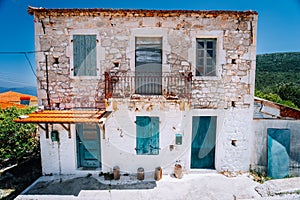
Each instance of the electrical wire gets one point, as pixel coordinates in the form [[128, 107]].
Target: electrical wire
[[31, 67], [27, 59], [20, 52]]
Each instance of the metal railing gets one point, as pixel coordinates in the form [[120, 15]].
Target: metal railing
[[171, 85]]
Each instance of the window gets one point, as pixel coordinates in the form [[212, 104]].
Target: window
[[147, 135], [25, 100], [206, 57], [84, 50], [148, 65]]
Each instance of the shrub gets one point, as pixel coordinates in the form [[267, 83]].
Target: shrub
[[17, 141]]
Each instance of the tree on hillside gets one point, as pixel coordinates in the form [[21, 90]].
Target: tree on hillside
[[289, 91]]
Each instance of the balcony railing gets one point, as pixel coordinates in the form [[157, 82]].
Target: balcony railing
[[170, 85]]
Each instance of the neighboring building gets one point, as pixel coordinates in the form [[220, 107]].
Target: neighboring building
[[4, 105], [276, 142], [173, 86], [10, 98]]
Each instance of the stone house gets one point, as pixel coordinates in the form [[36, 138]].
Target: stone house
[[144, 88]]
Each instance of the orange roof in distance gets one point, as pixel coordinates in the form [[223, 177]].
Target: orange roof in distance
[[5, 105], [14, 97]]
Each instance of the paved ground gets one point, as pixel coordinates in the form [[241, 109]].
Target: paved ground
[[191, 186], [15, 179]]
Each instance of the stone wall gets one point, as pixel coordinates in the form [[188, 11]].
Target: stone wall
[[235, 32]]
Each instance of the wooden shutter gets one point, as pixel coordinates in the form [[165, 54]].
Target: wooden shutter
[[84, 50], [147, 135]]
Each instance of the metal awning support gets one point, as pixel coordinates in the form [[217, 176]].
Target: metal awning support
[[102, 122], [67, 128], [44, 128]]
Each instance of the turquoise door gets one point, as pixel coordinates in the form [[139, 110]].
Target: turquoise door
[[147, 135], [88, 145], [278, 152], [203, 142]]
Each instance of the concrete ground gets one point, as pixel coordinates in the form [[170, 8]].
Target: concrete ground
[[191, 186]]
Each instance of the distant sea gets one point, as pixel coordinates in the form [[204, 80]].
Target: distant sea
[[24, 90]]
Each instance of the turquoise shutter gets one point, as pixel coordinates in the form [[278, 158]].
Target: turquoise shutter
[[147, 139], [90, 65], [84, 50]]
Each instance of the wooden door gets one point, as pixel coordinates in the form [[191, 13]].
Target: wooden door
[[88, 145], [278, 152], [203, 142]]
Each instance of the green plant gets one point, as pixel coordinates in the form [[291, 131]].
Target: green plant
[[259, 177], [17, 141]]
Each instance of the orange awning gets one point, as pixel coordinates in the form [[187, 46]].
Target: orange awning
[[63, 116]]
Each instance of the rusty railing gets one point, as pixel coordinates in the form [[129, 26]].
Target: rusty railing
[[171, 85]]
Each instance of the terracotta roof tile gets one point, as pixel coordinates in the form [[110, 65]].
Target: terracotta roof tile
[[131, 12], [5, 105], [11, 96]]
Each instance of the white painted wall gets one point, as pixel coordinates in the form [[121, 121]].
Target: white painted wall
[[118, 141], [259, 157]]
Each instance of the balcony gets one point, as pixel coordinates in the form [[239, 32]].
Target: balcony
[[135, 85]]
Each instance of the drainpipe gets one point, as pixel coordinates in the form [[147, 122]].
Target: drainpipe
[[47, 81]]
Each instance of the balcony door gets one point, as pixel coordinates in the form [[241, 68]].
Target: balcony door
[[148, 65]]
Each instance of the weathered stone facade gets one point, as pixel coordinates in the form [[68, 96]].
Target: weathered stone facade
[[115, 32], [228, 95]]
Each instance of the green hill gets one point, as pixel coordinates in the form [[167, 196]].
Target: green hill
[[277, 68], [279, 73]]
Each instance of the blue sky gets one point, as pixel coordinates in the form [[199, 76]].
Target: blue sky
[[278, 27]]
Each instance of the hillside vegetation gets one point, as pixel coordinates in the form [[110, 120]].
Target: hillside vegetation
[[278, 76]]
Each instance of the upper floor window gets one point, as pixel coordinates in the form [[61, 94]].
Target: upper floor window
[[148, 65], [84, 52], [206, 57]]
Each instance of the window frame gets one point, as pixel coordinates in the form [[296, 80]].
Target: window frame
[[150, 32], [205, 57], [150, 88], [220, 52]]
